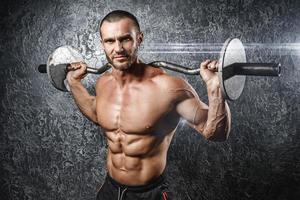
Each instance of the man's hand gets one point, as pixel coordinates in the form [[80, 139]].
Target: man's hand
[[76, 72], [208, 73]]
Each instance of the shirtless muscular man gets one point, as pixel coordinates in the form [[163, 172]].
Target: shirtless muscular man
[[139, 107]]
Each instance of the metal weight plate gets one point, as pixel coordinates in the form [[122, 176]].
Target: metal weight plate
[[57, 63], [233, 51]]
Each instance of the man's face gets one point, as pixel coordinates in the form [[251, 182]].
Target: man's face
[[120, 41]]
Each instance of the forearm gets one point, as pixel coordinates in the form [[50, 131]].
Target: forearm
[[85, 102], [218, 122]]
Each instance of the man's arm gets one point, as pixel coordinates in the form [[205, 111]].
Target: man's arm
[[213, 121], [85, 102]]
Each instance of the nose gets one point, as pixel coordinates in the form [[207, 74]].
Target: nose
[[118, 47]]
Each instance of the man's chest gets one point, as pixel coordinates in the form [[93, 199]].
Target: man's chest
[[133, 109]]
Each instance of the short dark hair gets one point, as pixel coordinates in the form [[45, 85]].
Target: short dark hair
[[117, 15]]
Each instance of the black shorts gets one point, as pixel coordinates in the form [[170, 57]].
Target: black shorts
[[156, 190]]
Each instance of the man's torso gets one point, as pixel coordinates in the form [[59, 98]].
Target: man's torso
[[139, 119]]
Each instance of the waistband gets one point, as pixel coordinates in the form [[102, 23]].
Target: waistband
[[138, 188]]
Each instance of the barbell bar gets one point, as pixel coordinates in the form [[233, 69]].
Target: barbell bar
[[232, 67]]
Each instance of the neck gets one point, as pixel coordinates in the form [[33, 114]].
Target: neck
[[134, 73]]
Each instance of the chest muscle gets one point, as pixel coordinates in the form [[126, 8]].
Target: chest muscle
[[133, 110]]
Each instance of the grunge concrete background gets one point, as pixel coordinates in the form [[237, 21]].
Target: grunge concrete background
[[48, 150]]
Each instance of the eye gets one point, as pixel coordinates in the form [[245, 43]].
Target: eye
[[127, 39], [109, 41]]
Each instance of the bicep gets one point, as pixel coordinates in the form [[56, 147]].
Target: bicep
[[187, 103], [194, 111], [191, 108]]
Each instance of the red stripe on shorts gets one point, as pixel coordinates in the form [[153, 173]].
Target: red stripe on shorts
[[165, 196]]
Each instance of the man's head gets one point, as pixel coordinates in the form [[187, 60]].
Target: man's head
[[120, 38]]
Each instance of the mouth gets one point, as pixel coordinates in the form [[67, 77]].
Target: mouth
[[120, 57]]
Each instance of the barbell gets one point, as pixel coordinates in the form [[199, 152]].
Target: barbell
[[232, 67]]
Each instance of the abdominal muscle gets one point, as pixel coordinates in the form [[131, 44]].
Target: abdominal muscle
[[136, 159]]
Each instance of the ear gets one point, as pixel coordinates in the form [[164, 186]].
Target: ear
[[140, 37]]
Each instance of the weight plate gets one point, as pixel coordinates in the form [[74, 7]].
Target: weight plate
[[57, 62], [232, 52]]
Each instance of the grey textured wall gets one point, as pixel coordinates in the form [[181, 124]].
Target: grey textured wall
[[48, 150]]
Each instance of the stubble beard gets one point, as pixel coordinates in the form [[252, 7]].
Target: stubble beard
[[124, 65]]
